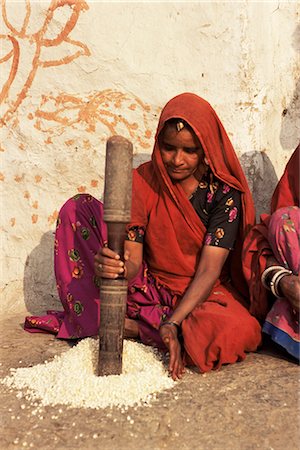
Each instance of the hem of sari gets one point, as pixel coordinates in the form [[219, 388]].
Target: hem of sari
[[283, 339], [48, 323]]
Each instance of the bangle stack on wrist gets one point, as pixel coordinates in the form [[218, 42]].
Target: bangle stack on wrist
[[272, 276]]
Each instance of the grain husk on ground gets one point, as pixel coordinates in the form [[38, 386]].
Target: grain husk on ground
[[71, 379]]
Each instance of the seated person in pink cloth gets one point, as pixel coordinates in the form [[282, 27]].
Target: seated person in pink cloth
[[272, 262]]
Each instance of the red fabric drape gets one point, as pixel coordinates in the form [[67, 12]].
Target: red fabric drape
[[174, 232], [256, 246], [287, 191]]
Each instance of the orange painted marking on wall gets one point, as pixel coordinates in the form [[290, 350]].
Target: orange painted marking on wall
[[19, 178], [12, 221], [38, 41], [34, 218], [81, 189], [15, 122], [70, 142], [48, 140], [38, 178], [53, 217], [21, 146], [2, 149], [87, 144], [37, 125], [2, 177], [14, 55], [35, 204], [142, 143], [100, 107], [94, 183], [26, 195]]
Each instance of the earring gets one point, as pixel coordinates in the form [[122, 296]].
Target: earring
[[206, 161]]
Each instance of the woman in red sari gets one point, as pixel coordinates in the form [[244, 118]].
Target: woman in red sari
[[191, 207], [272, 263], [191, 210]]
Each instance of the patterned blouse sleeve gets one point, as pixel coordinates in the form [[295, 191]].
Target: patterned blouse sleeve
[[224, 218], [135, 234], [135, 230]]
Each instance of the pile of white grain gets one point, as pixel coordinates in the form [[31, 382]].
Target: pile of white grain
[[71, 379]]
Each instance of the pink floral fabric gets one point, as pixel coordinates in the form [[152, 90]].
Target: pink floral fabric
[[80, 232], [282, 322]]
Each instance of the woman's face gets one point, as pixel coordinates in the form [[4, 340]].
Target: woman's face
[[181, 152]]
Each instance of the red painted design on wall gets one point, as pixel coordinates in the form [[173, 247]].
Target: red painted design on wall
[[12, 43]]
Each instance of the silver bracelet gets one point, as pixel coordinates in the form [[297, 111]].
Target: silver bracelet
[[266, 273], [274, 283]]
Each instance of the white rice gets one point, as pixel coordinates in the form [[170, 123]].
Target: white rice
[[71, 379]]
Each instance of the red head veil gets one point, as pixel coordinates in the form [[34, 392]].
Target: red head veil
[[287, 191], [171, 209]]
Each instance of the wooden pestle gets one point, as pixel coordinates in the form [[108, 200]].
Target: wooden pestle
[[117, 213]]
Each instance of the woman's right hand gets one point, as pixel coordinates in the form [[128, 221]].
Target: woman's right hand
[[290, 288], [108, 264], [168, 334]]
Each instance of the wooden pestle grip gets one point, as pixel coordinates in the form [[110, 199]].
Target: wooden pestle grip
[[117, 213], [117, 190]]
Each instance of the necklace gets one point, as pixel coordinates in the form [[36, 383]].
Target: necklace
[[193, 193]]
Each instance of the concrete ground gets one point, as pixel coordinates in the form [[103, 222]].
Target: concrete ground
[[250, 405]]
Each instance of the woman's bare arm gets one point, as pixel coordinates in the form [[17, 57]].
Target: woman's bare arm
[[288, 285], [209, 269], [210, 265]]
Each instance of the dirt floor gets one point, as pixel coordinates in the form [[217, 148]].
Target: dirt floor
[[249, 405]]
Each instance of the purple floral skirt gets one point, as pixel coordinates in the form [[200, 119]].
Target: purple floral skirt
[[80, 233]]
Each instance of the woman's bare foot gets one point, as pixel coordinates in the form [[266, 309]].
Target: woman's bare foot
[[131, 329]]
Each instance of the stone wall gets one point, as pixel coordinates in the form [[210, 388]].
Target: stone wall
[[75, 72]]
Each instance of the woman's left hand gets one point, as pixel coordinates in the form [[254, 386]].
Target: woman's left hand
[[169, 337]]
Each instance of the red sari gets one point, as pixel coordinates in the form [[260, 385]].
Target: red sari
[[257, 247], [218, 332], [277, 235], [221, 330]]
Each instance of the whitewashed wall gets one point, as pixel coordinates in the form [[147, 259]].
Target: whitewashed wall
[[72, 75]]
